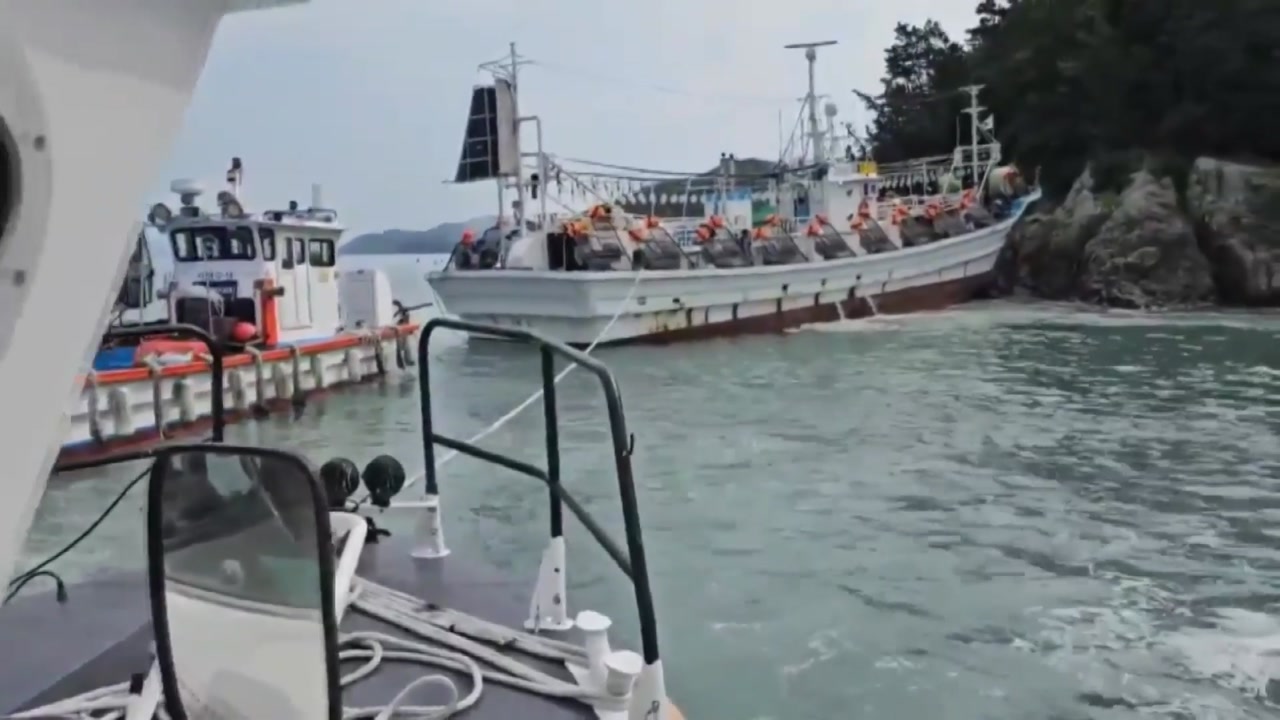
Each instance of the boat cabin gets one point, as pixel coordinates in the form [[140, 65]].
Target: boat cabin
[[274, 272]]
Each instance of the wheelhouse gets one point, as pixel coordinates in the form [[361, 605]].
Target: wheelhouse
[[275, 271]]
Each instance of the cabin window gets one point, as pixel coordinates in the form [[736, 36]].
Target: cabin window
[[299, 250], [184, 246], [321, 253], [213, 243], [240, 245], [268, 237]]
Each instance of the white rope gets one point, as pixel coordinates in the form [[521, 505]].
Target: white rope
[[500, 422], [442, 639]]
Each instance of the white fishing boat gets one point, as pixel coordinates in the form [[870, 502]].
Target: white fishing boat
[[264, 285], [269, 589], [841, 244]]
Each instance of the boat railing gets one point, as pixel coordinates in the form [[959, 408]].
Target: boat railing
[[631, 560], [217, 409]]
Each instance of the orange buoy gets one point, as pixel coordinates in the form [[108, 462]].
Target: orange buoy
[[243, 332]]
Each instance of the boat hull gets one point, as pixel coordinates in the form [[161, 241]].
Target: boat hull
[[676, 305], [133, 408]]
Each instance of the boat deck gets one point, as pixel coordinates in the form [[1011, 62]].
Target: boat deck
[[102, 634]]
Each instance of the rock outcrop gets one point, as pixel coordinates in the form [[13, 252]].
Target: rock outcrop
[[1150, 246], [1236, 211]]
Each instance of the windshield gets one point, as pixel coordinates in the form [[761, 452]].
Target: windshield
[[213, 243]]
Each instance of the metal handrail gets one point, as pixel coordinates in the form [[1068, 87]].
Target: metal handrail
[[631, 561]]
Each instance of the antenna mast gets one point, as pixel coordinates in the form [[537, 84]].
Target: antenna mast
[[973, 112], [815, 129], [508, 69]]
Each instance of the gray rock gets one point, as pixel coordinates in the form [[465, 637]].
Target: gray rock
[[1043, 252], [1236, 211], [1145, 254]]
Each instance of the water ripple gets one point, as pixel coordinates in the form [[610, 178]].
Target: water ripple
[[998, 512]]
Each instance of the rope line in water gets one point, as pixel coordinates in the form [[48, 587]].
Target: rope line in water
[[510, 415]]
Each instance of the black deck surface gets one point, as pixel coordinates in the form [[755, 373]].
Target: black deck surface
[[102, 634]]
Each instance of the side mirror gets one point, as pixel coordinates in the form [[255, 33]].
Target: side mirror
[[240, 568]]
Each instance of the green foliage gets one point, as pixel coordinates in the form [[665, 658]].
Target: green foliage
[[1107, 81]]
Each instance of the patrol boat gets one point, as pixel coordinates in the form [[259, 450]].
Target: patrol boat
[[266, 286]]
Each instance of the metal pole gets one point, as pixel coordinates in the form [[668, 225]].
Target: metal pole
[[815, 132], [515, 111]]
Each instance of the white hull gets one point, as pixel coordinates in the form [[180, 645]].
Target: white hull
[[577, 307], [118, 409]]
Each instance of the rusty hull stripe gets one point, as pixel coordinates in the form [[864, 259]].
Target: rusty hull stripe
[[935, 296]]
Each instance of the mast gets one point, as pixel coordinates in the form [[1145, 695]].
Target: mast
[[811, 99], [508, 70], [973, 112]]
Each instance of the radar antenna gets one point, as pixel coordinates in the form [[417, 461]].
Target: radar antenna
[[811, 98]]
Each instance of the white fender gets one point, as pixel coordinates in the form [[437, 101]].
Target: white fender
[[184, 399], [120, 412], [280, 381], [317, 372], [235, 386], [354, 372]]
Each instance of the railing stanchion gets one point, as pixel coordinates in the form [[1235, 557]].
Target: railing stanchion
[[631, 561], [553, 440]]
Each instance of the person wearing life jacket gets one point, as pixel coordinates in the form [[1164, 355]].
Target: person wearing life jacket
[[462, 252], [864, 212]]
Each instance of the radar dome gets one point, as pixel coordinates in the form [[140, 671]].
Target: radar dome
[[185, 186], [831, 110]]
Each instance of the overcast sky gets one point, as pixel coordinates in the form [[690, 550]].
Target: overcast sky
[[369, 97]]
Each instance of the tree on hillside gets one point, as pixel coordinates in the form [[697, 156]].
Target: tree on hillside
[[1070, 82], [916, 109]]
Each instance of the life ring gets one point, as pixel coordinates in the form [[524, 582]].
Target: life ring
[[164, 346]]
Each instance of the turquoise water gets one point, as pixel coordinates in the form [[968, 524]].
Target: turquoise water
[[1001, 511]]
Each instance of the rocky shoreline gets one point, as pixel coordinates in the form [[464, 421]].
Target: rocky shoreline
[[1209, 237]]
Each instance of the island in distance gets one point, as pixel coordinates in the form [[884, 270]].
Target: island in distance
[[438, 240]]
